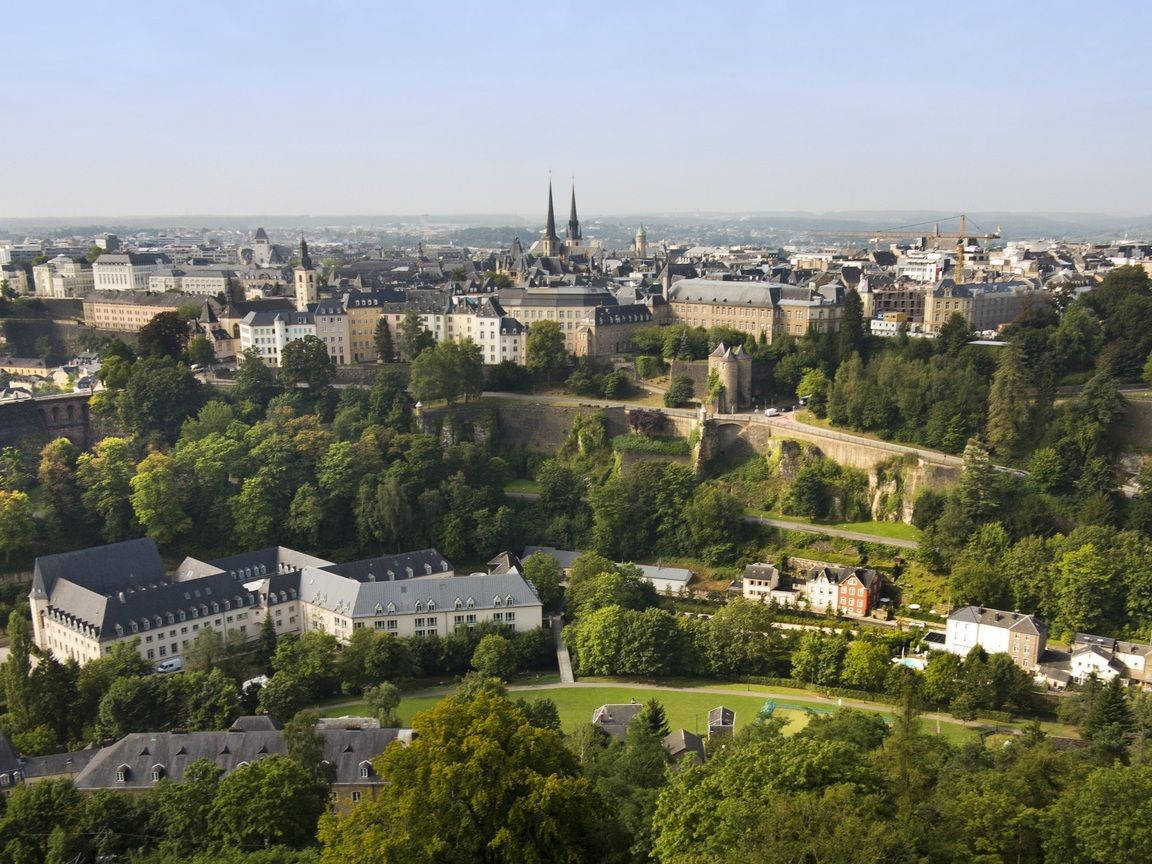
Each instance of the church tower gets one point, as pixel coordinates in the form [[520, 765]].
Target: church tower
[[640, 243], [307, 290], [550, 242], [573, 222]]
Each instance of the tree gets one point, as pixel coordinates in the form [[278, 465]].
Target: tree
[[254, 381], [1083, 590], [652, 718], [976, 489], [180, 810], [166, 335], [17, 670], [283, 696], [17, 524], [414, 339], [818, 658], [712, 518], [484, 784], [159, 396], [382, 341], [306, 361], [853, 327], [303, 742], [1087, 826], [866, 663], [105, 475], [156, 499], [267, 645], [1008, 406], [813, 388], [954, 334], [680, 392], [546, 355], [306, 515], [494, 658], [546, 576], [447, 371], [93, 253], [200, 352], [270, 802], [384, 699]]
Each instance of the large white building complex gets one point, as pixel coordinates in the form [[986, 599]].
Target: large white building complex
[[84, 602]]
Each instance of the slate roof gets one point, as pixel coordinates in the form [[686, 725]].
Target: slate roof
[[387, 568], [352, 598], [717, 292], [564, 557], [836, 575], [633, 313], [721, 716], [139, 752], [102, 569], [668, 574], [267, 319], [563, 296], [57, 764], [618, 715], [998, 618], [682, 743]]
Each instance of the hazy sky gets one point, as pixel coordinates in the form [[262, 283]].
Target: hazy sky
[[341, 107]]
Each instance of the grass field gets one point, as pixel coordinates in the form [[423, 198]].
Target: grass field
[[523, 485], [896, 530], [685, 708]]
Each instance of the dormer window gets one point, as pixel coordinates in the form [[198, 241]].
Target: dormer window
[[431, 605], [427, 569], [496, 600], [391, 608], [171, 618], [119, 630], [379, 609], [471, 604], [122, 774], [457, 604], [509, 600], [133, 626], [157, 772], [227, 605], [365, 770], [419, 606], [408, 570]]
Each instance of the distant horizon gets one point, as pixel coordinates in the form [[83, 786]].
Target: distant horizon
[[740, 108]]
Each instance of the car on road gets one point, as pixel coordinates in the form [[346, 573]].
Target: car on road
[[771, 412], [175, 664]]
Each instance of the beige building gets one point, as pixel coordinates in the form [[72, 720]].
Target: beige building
[[128, 310], [761, 308], [86, 601], [984, 305], [570, 306], [332, 329], [63, 276]]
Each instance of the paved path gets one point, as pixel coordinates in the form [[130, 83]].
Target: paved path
[[562, 657], [831, 532]]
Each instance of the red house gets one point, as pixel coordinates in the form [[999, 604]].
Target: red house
[[859, 591]]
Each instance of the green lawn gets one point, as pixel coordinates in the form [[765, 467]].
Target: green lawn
[[523, 486], [684, 708], [896, 530]]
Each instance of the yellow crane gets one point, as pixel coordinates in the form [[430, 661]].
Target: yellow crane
[[903, 233]]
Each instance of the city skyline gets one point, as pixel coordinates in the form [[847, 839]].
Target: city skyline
[[347, 109]]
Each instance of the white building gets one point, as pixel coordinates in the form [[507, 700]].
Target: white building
[[500, 336], [192, 280], [269, 332], [84, 602], [921, 265], [63, 276], [1023, 637], [128, 271], [761, 582], [666, 580]]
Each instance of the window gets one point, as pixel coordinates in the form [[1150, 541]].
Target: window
[[355, 797], [122, 774], [392, 624], [365, 770]]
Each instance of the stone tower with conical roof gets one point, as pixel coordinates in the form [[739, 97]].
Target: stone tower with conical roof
[[733, 368], [640, 243]]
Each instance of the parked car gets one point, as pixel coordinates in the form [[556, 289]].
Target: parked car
[[771, 412], [175, 664]]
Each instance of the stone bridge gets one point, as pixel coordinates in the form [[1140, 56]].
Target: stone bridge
[[47, 417]]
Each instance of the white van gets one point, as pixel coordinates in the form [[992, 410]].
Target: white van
[[173, 665], [771, 412]]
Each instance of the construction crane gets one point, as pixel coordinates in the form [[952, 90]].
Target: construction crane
[[904, 233]]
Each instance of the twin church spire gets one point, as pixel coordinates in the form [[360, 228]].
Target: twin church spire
[[573, 233]]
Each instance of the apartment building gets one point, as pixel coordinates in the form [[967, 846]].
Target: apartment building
[[128, 311], [984, 305], [768, 308], [269, 332]]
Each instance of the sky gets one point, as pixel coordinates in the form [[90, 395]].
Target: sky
[[342, 107]]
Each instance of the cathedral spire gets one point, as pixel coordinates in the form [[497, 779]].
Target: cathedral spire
[[573, 221], [550, 230]]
